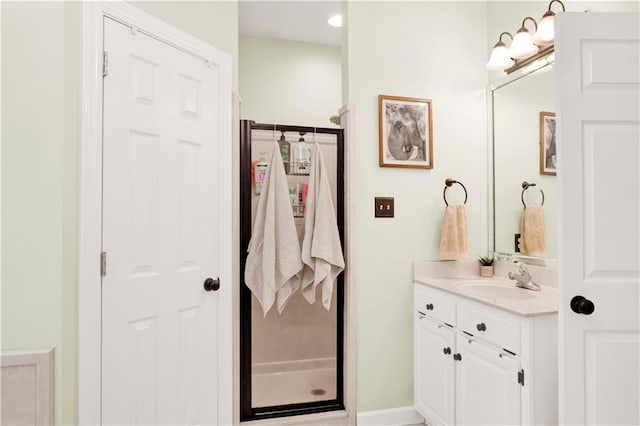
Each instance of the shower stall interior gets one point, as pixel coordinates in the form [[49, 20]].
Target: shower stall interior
[[291, 363]]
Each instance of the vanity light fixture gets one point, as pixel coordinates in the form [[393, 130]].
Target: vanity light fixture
[[335, 21], [522, 45], [500, 59], [545, 34], [525, 49]]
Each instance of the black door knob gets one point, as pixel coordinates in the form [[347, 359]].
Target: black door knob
[[429, 306], [457, 357], [481, 327], [211, 285], [582, 305], [447, 351]]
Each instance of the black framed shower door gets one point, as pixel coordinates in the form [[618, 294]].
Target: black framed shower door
[[247, 411]]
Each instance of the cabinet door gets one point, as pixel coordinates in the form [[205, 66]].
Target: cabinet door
[[487, 388], [433, 370]]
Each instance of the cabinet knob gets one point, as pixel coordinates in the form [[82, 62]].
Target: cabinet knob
[[457, 357], [481, 326], [447, 351], [429, 306]]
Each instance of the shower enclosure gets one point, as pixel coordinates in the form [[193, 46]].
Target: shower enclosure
[[291, 363]]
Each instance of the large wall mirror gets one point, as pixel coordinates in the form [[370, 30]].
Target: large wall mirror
[[523, 142]]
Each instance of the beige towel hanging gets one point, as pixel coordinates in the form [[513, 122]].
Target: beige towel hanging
[[274, 250], [453, 240], [321, 248], [532, 231]]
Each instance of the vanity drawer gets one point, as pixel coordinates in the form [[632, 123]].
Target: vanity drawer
[[434, 306], [499, 331]]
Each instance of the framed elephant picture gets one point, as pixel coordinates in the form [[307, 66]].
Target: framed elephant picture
[[405, 132], [548, 164]]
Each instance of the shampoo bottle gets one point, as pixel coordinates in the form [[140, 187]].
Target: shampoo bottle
[[285, 151]]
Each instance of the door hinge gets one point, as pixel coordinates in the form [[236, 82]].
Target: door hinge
[[103, 263], [105, 64], [521, 377]]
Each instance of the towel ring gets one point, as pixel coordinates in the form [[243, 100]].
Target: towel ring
[[526, 185], [448, 182]]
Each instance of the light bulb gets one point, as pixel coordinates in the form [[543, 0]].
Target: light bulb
[[545, 34], [335, 21], [522, 45], [499, 59]]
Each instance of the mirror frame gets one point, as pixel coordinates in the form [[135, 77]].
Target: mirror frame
[[547, 60]]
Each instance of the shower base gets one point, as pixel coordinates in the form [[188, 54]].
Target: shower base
[[293, 382]]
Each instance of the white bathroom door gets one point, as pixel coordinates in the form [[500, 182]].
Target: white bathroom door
[[161, 157], [598, 81]]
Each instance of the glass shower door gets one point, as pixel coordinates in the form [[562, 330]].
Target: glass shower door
[[291, 362]]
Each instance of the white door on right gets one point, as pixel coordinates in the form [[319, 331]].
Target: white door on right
[[598, 72]]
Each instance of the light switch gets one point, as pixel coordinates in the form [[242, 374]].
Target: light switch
[[383, 207]]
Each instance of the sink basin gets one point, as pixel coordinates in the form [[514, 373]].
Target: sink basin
[[495, 289]]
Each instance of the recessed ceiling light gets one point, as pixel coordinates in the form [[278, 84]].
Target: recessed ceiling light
[[335, 21]]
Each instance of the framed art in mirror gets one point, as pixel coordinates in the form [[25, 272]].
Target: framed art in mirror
[[405, 132], [548, 163]]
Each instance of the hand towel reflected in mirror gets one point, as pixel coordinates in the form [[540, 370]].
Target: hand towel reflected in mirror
[[532, 231]]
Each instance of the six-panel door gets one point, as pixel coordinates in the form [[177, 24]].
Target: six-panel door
[[161, 221]]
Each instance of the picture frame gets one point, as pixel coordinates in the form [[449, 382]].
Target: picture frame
[[548, 147], [405, 132]]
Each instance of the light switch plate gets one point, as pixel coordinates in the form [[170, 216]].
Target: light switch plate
[[384, 207]]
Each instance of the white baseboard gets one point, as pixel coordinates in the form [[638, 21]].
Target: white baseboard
[[391, 417]]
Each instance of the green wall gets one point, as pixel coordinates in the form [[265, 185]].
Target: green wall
[[40, 116], [287, 82], [433, 50]]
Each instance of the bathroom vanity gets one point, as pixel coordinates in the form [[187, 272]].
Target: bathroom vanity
[[485, 352]]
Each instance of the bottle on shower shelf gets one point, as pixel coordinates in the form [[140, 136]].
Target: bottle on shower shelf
[[285, 151], [302, 156], [259, 173]]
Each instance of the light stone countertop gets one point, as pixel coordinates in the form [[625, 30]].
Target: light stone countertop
[[459, 278]]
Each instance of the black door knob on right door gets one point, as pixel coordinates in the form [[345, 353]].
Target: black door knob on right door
[[582, 305]]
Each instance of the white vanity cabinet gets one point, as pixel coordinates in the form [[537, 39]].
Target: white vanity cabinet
[[487, 389], [434, 344], [476, 364]]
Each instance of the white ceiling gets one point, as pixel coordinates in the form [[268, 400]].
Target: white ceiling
[[303, 21]]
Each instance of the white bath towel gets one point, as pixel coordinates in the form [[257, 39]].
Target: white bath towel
[[453, 240], [321, 248], [532, 230], [274, 250]]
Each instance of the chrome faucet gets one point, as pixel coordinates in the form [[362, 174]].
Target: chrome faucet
[[523, 278]]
